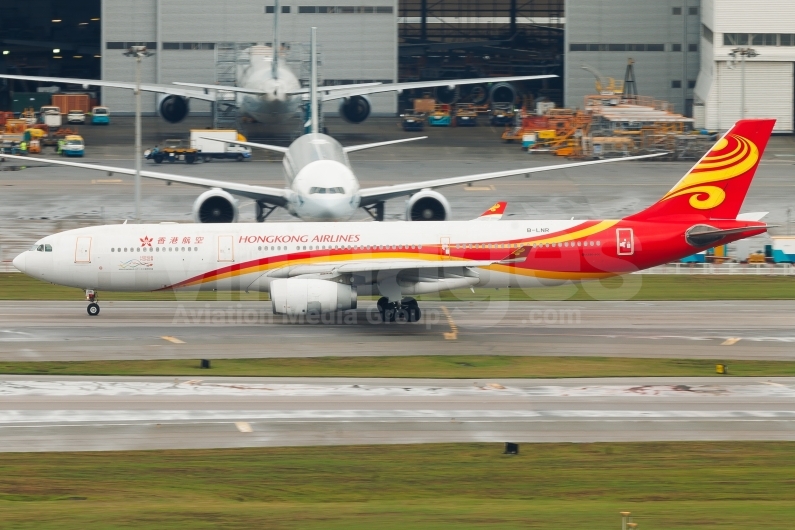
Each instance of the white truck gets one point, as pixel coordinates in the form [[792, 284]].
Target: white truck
[[51, 116], [209, 145]]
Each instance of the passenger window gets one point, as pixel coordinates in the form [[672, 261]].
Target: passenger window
[[113, 250]]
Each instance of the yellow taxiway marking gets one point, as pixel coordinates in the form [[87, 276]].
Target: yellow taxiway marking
[[729, 342], [480, 188], [173, 339], [107, 181], [243, 426], [453, 335]]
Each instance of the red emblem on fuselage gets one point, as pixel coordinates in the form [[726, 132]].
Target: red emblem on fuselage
[[146, 241]]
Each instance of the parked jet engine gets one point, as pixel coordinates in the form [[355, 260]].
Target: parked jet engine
[[502, 93], [296, 296], [173, 108], [427, 205], [215, 206], [448, 94], [355, 109]]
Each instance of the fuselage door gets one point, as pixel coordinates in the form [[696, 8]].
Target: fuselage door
[[625, 241], [226, 250], [83, 249], [444, 243]]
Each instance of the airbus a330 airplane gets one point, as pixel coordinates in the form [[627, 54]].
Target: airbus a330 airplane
[[323, 267], [270, 94]]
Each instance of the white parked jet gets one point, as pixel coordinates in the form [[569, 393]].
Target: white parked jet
[[269, 93]]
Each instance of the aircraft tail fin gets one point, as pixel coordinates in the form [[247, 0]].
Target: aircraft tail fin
[[313, 106], [276, 46], [716, 186], [494, 213]]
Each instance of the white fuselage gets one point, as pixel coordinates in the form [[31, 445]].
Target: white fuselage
[[275, 105], [319, 174], [243, 257]]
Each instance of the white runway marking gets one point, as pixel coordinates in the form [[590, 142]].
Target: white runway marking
[[15, 418], [197, 388]]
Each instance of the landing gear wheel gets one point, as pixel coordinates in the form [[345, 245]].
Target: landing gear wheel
[[402, 315], [93, 309], [382, 303], [389, 314], [414, 313]]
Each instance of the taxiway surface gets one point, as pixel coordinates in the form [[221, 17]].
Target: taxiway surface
[[79, 414], [61, 331]]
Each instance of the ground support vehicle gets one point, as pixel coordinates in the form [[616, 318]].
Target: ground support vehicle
[[76, 116], [466, 116], [214, 143], [413, 121], [73, 145], [100, 116], [173, 151]]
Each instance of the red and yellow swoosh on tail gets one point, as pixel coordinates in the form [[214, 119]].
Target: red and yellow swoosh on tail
[[732, 156]]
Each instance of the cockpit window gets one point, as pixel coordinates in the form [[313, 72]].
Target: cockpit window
[[47, 248], [40, 248], [326, 190]]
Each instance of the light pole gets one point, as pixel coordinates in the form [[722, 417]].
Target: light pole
[[138, 52], [743, 53]]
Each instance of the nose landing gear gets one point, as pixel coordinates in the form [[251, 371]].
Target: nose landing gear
[[407, 310], [93, 306]]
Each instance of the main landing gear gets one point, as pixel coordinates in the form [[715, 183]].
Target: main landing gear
[[407, 310], [93, 306]]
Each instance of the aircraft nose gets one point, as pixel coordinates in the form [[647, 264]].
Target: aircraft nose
[[19, 262]]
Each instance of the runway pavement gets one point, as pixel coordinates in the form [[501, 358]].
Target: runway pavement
[[721, 330], [80, 414]]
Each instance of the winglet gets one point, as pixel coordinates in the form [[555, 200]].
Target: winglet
[[494, 213], [517, 256]]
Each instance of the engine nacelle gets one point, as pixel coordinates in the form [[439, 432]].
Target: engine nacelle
[[502, 93], [355, 109], [299, 297], [173, 108], [215, 206], [427, 205], [448, 94]]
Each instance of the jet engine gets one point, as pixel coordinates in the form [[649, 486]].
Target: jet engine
[[215, 206], [502, 93], [172, 108], [296, 296], [427, 205], [448, 94], [355, 109]]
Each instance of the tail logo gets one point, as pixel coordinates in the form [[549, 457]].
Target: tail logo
[[732, 156], [494, 208]]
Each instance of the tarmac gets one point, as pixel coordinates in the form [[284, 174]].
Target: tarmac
[[85, 414], [39, 413], [720, 330]]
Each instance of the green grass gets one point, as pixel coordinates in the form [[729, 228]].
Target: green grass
[[464, 366], [687, 486], [14, 286]]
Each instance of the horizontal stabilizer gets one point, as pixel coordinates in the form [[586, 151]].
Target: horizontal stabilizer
[[752, 216], [704, 235], [268, 147], [362, 147]]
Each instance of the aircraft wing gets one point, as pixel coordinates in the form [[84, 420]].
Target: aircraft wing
[[381, 193], [346, 91], [146, 87], [274, 196]]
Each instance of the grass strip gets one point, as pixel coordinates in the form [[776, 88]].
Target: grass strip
[[687, 486], [442, 366], [14, 286]]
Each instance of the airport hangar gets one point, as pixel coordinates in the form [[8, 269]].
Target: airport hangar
[[681, 51]]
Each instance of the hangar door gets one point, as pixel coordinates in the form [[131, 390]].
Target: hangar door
[[768, 93]]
